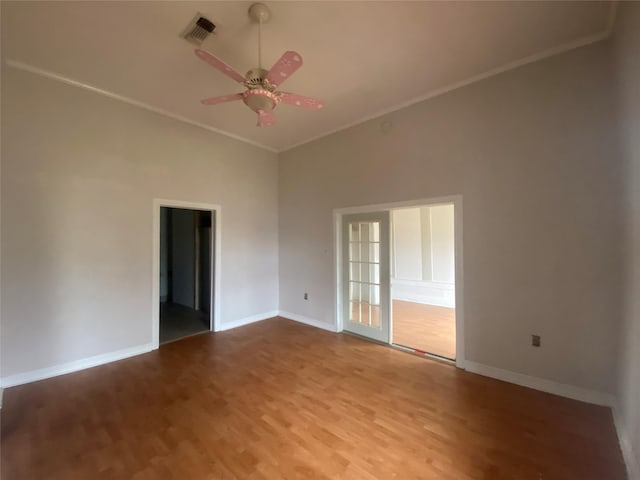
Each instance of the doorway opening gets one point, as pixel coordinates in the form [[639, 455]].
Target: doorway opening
[[423, 279], [399, 275], [185, 272]]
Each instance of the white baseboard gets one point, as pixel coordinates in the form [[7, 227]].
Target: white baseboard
[[633, 468], [549, 386], [41, 374], [308, 321], [424, 300], [247, 320]]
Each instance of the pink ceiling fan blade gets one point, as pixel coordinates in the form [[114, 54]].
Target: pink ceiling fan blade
[[215, 62], [222, 99], [266, 119], [285, 67], [301, 101]]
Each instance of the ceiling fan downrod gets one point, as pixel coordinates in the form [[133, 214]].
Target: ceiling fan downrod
[[259, 13]]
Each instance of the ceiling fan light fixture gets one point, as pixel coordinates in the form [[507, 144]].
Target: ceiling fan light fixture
[[258, 99]]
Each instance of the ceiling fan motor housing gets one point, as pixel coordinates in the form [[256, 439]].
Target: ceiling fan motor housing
[[256, 79]]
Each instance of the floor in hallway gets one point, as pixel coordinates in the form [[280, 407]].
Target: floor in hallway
[[178, 321]]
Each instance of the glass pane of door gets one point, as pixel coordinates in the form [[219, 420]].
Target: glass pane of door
[[366, 274]]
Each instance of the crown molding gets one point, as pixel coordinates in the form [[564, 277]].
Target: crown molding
[[25, 67], [581, 42]]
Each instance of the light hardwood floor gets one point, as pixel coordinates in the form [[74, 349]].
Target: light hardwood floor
[[428, 328], [278, 399]]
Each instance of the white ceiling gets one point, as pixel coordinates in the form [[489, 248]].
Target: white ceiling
[[362, 58]]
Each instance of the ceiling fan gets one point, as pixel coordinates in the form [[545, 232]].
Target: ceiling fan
[[261, 95]]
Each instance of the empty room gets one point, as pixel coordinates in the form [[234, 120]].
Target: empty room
[[320, 240]]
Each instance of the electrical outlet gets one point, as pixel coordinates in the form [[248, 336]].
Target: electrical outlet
[[535, 340], [306, 296]]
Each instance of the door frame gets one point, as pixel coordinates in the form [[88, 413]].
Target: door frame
[[214, 310], [456, 200]]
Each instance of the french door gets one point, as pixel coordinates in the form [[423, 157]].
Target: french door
[[365, 267]]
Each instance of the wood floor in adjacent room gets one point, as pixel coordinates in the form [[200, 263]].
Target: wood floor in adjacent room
[[429, 328], [278, 399]]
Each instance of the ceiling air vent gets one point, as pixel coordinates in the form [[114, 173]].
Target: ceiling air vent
[[198, 30]]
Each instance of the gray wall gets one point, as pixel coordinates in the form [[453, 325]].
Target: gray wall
[[204, 259], [183, 256], [530, 151], [443, 243], [79, 175], [164, 254], [407, 254], [626, 43]]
